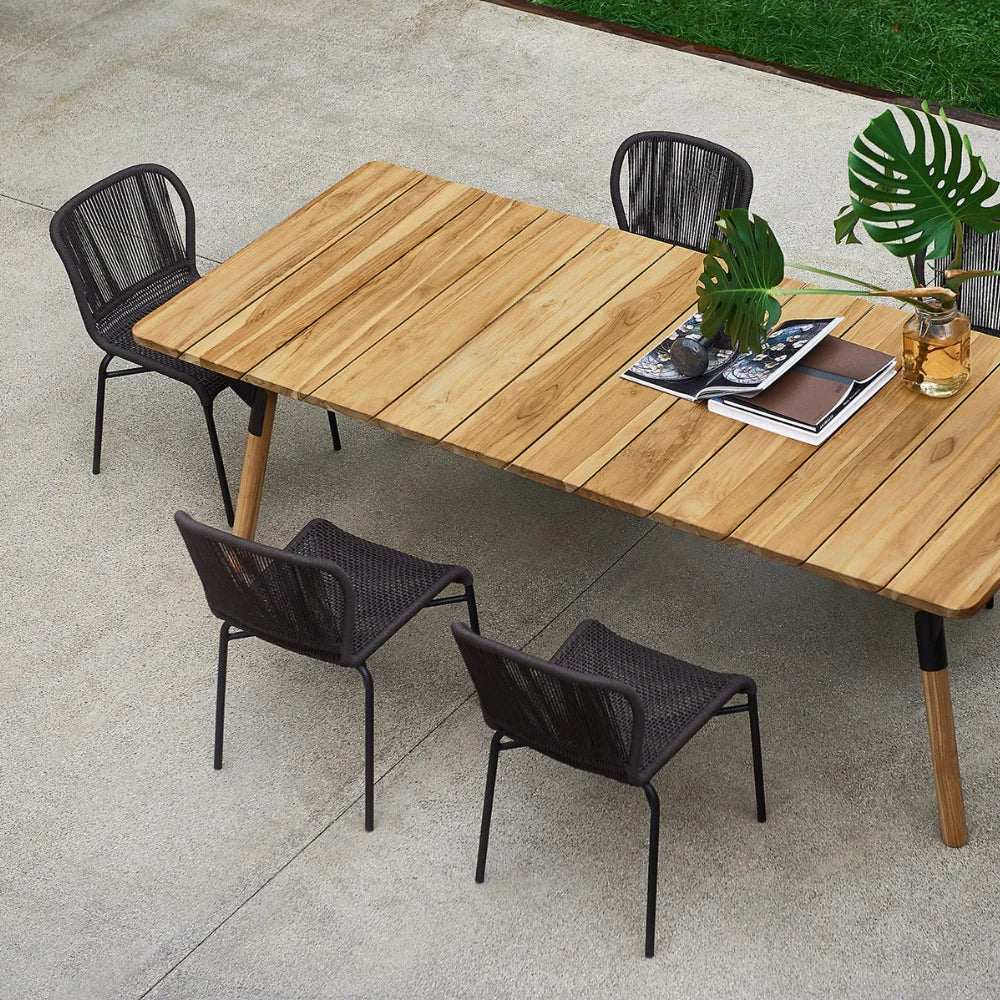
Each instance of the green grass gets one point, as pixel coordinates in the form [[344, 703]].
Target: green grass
[[943, 50]]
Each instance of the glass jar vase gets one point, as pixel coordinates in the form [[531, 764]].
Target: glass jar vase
[[936, 352]]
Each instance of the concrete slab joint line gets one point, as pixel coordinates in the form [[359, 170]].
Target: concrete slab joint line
[[32, 16], [131, 869]]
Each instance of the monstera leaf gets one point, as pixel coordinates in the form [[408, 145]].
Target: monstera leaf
[[848, 219], [911, 196], [845, 224], [736, 288]]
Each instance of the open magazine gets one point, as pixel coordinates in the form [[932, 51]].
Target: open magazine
[[818, 394], [729, 373]]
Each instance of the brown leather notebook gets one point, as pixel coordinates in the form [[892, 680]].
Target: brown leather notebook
[[806, 399], [820, 382], [841, 357]]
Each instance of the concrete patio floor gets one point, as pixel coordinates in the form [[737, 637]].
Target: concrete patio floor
[[131, 869]]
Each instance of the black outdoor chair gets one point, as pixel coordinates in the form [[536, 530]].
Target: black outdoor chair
[[676, 186], [603, 704], [979, 298], [122, 247], [326, 594]]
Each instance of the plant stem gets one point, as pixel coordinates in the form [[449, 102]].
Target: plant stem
[[911, 296], [957, 276], [924, 348], [956, 261], [838, 277]]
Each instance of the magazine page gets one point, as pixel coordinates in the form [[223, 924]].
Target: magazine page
[[749, 374], [729, 373], [657, 370]]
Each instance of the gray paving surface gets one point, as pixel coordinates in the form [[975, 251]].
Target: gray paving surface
[[131, 869]]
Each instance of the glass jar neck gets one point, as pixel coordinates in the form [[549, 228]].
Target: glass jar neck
[[945, 315]]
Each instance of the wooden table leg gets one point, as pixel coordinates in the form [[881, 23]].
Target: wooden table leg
[[254, 463], [941, 727]]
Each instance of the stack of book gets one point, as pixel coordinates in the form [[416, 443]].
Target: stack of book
[[803, 384]]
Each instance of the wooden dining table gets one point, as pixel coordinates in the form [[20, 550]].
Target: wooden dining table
[[498, 330]]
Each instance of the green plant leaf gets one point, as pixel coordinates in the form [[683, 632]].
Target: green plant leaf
[[737, 284], [910, 196], [845, 224]]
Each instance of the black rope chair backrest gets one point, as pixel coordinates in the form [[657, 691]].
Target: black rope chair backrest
[[592, 723], [298, 602], [676, 185], [121, 235], [979, 298]]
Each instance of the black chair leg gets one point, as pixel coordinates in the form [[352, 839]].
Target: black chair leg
[[654, 858], [220, 469], [470, 598], [334, 429], [102, 377], [369, 747], [758, 766], [491, 784], [220, 693]]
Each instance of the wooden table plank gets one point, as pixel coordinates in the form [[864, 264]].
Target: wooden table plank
[[651, 466], [799, 516], [956, 571], [593, 432], [918, 497], [280, 314], [595, 351], [740, 475], [437, 310], [240, 279], [383, 303], [648, 470], [444, 397], [589, 436], [400, 359]]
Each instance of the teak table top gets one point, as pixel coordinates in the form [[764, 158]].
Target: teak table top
[[498, 330]]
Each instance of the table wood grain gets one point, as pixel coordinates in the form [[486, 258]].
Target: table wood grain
[[499, 329]]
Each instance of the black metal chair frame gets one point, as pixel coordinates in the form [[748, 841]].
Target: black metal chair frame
[[979, 298], [341, 652], [143, 363], [635, 774], [743, 177]]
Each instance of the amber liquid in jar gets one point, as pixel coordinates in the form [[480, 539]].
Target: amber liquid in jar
[[936, 352]]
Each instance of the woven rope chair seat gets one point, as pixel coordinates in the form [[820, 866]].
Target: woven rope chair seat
[[677, 697], [115, 322], [390, 585]]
